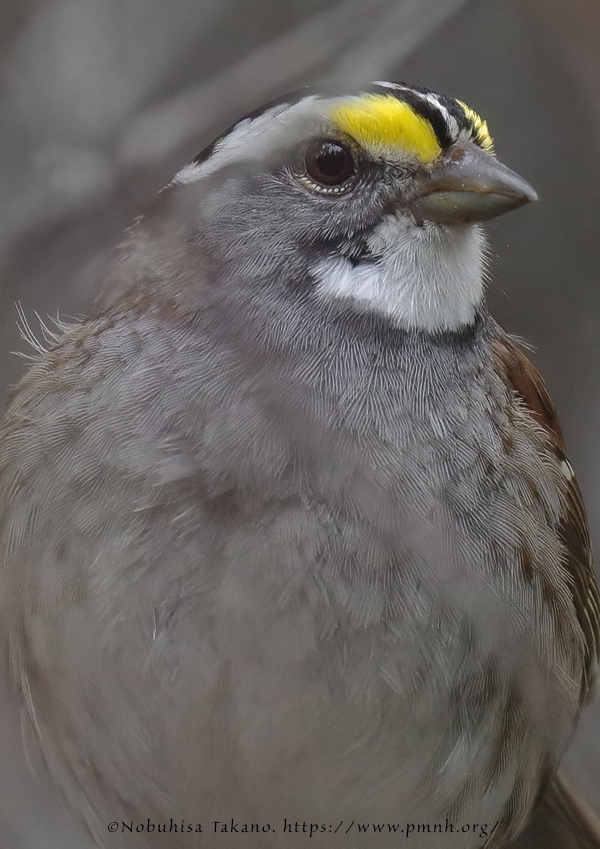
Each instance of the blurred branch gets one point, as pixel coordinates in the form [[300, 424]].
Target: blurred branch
[[356, 39], [391, 38]]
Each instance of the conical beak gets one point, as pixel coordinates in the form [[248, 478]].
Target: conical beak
[[469, 184]]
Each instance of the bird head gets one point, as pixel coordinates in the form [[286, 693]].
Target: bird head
[[373, 198]]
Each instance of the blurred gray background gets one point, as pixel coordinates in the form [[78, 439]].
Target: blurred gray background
[[103, 100]]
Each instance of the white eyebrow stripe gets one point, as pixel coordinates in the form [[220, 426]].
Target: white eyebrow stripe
[[251, 135], [386, 84], [190, 173], [450, 120]]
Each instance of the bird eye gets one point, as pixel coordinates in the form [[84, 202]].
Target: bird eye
[[329, 163]]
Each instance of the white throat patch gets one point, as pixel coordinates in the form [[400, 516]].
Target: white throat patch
[[426, 277]]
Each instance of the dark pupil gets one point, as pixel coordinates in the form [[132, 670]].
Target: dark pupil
[[329, 163], [331, 160]]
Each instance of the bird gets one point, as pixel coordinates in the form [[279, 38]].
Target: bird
[[290, 543]]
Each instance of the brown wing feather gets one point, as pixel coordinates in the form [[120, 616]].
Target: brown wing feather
[[530, 388]]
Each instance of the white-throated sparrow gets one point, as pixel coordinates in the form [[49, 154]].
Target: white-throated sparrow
[[288, 530]]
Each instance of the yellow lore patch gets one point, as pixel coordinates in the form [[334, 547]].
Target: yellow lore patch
[[382, 123], [481, 133]]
